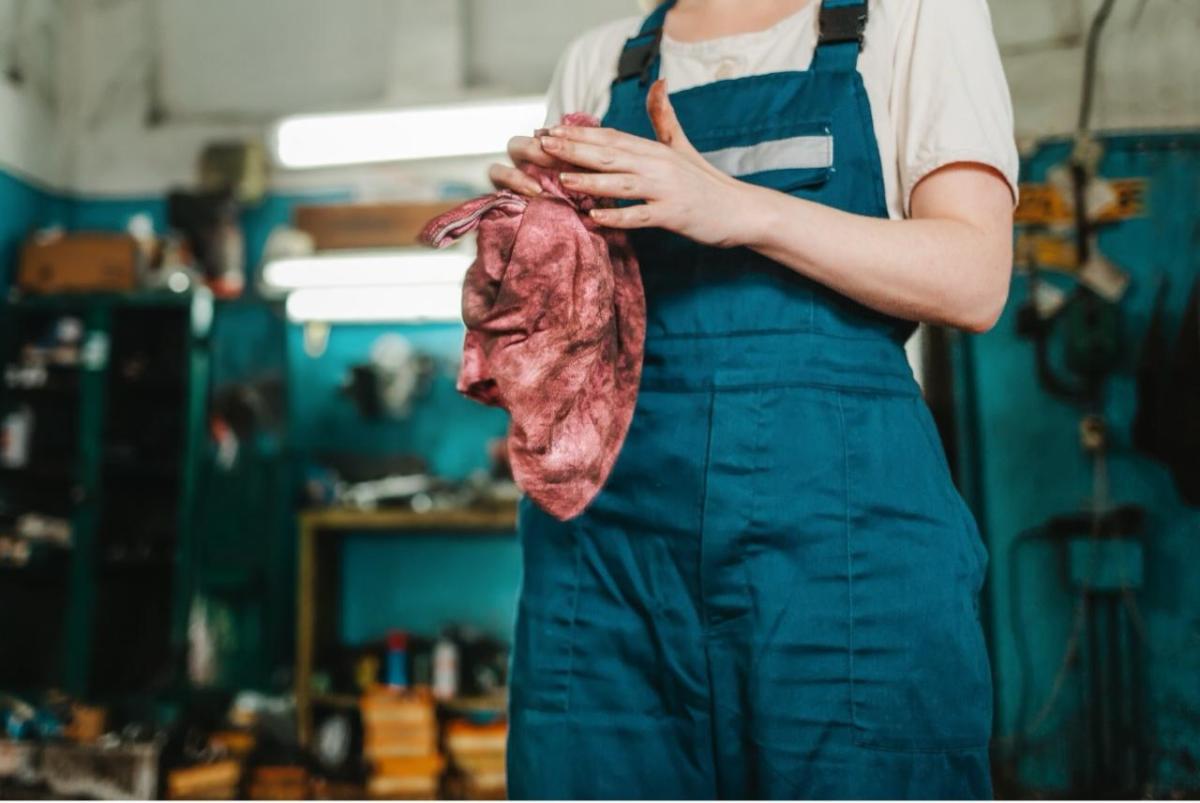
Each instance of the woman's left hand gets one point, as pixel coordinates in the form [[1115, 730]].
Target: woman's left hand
[[683, 193]]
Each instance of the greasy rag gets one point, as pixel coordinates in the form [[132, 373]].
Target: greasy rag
[[556, 323]]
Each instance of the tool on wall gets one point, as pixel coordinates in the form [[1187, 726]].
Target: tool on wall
[[396, 375]]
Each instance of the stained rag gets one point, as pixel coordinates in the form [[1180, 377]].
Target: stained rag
[[556, 324]]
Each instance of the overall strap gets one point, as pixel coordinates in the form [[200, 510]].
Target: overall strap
[[842, 26], [639, 58]]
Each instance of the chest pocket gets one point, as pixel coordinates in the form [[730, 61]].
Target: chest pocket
[[781, 156]]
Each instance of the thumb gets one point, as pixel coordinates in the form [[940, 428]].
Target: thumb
[[662, 117]]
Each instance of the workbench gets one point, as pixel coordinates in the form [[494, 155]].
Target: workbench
[[319, 531]]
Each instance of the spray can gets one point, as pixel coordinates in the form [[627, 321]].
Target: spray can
[[396, 661]]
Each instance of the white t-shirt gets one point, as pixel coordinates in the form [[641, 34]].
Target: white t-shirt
[[931, 68]]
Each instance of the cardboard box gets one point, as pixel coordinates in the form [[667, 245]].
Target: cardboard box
[[380, 225], [87, 723], [77, 263], [279, 783], [216, 781], [418, 787]]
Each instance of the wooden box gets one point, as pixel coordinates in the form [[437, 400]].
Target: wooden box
[[76, 263]]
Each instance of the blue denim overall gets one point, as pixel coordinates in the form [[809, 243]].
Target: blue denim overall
[[776, 593]]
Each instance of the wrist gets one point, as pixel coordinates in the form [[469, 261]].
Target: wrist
[[750, 213]]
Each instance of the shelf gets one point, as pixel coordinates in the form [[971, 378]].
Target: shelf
[[154, 470], [473, 706], [51, 564], [336, 700], [320, 523], [69, 301], [124, 481], [51, 473], [463, 706], [473, 520], [43, 393]]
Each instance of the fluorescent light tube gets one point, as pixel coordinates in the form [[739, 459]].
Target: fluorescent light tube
[[414, 267], [430, 132], [406, 304]]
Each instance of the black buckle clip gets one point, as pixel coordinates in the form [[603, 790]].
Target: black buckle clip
[[843, 24], [638, 60]]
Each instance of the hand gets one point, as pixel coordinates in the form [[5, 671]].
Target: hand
[[522, 151], [683, 193]]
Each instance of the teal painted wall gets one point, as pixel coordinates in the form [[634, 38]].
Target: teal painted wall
[[449, 430], [23, 207], [423, 583], [412, 582], [417, 583], [1029, 466]]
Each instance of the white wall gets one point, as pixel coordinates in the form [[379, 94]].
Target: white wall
[[1148, 73], [29, 102], [227, 68], [230, 67]]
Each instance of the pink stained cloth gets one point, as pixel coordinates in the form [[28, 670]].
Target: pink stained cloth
[[556, 325]]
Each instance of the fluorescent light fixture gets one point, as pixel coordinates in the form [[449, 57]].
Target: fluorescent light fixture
[[429, 132], [433, 302], [416, 267]]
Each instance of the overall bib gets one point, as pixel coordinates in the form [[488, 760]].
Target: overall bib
[[776, 593]]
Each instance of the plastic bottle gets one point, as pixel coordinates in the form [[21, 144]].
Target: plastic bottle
[[445, 669]]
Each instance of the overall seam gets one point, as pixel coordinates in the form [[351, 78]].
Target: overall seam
[[849, 390], [820, 125], [704, 625], [868, 131], [772, 631], [575, 535], [754, 517], [849, 564]]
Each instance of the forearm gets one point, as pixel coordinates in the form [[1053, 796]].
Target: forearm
[[950, 263], [935, 270]]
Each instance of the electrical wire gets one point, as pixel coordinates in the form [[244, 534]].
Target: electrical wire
[[1089, 64], [14, 69], [1100, 504]]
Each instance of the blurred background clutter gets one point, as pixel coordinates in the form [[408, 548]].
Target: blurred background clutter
[[252, 541]]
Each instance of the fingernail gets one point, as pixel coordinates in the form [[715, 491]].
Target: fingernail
[[549, 143], [567, 178], [558, 131]]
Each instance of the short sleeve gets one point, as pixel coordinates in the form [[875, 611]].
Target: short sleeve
[[950, 99], [586, 69], [566, 87]]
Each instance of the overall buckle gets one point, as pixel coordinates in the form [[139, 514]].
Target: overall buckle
[[843, 24], [637, 60]]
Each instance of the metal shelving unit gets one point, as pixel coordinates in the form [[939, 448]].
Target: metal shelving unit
[[134, 406]]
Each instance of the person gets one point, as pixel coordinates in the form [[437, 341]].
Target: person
[[776, 592]]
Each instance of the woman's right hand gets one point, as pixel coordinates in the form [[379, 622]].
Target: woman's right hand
[[522, 151]]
